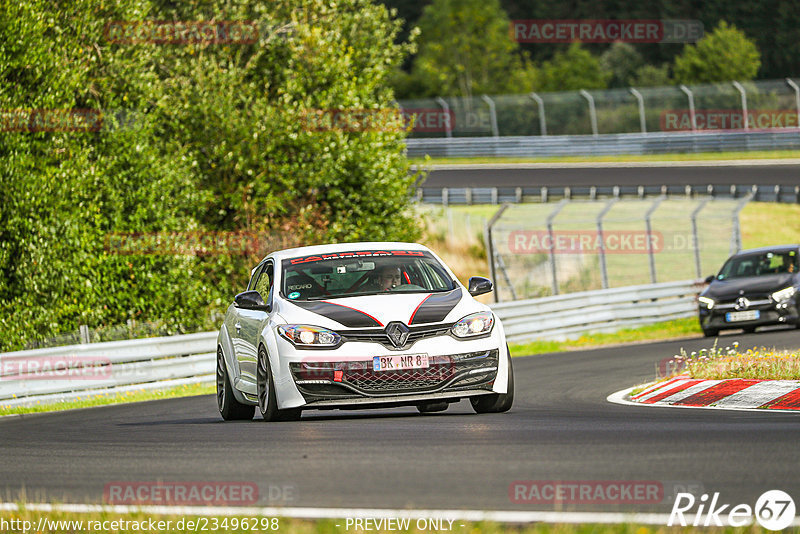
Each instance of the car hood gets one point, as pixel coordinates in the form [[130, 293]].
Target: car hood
[[751, 285], [372, 311]]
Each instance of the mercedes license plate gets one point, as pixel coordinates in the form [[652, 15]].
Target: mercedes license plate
[[749, 315]]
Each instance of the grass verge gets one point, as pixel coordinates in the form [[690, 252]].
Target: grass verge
[[702, 156], [100, 400], [677, 328], [759, 363]]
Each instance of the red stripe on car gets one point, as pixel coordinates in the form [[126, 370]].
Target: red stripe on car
[[411, 320]]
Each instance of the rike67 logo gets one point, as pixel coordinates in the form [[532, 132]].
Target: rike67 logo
[[774, 510]]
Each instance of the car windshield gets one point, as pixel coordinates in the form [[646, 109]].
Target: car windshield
[[348, 274], [761, 264]]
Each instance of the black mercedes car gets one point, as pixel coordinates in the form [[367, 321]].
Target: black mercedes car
[[754, 288]]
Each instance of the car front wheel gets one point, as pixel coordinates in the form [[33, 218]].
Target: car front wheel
[[267, 401], [498, 402], [229, 408]]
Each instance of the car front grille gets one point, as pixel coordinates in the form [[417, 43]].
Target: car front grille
[[358, 376], [379, 335]]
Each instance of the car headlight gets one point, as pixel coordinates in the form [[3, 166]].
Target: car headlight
[[783, 294], [474, 324], [309, 336], [705, 301]]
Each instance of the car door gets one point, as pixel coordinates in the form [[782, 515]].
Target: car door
[[250, 323]]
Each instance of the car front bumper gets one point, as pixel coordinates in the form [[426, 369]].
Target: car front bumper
[[457, 369], [769, 313]]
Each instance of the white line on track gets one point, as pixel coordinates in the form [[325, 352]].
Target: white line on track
[[499, 516], [357, 513], [611, 164]]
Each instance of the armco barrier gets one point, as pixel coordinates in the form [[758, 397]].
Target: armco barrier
[[604, 144], [604, 310], [161, 362], [543, 193], [59, 373]]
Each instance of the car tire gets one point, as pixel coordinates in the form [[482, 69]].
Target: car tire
[[229, 408], [749, 329], [710, 333], [267, 400], [499, 402], [432, 407]]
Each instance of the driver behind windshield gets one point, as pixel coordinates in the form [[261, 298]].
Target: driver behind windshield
[[386, 278]]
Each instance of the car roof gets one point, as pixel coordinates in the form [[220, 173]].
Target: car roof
[[775, 248], [344, 247]]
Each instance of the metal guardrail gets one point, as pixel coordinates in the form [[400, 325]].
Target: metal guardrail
[[153, 363], [61, 373], [604, 310], [518, 195], [604, 144]]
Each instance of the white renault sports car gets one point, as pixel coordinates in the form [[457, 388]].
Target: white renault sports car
[[359, 325]]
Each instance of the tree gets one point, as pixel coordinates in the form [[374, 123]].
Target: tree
[[224, 141], [465, 49], [621, 61], [724, 55], [572, 70]]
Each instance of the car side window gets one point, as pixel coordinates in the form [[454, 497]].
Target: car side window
[[254, 279], [264, 282]]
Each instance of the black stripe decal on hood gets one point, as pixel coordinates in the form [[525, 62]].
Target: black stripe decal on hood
[[347, 316], [436, 307]]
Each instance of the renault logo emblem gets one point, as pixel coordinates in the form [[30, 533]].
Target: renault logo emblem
[[398, 334], [741, 303]]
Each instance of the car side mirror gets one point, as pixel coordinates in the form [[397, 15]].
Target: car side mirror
[[251, 300], [710, 278], [479, 285]]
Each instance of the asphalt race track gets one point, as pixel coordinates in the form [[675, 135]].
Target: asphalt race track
[[560, 428], [610, 175]]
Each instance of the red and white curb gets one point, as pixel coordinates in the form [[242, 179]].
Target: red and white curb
[[732, 394]]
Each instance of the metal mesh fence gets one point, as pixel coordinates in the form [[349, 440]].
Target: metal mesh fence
[[546, 249], [770, 104]]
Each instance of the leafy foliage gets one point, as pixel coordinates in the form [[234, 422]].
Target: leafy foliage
[[465, 49], [195, 137], [724, 55], [574, 69]]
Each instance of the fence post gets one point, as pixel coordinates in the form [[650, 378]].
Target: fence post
[[743, 94], [84, 332], [448, 128], [794, 86], [603, 269], [649, 227], [736, 232], [487, 236], [543, 121], [690, 95], [492, 115], [695, 238], [550, 218], [640, 100], [592, 111]]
